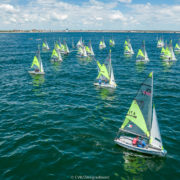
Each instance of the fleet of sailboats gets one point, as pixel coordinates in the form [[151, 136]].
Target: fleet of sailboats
[[141, 119]]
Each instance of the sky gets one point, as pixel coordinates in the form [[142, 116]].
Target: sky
[[90, 14]]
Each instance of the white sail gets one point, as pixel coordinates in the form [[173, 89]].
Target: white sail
[[40, 62], [172, 52], [155, 139], [145, 53], [84, 51], [132, 52], [80, 43], [91, 49], [112, 81]]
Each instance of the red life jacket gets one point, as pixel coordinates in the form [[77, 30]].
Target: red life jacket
[[134, 141]]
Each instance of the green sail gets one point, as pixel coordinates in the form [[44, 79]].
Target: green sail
[[62, 47], [110, 41], [167, 52], [35, 62], [101, 43], [57, 46], [177, 46], [139, 117], [87, 49], [126, 48], [103, 71], [135, 115], [126, 43], [44, 45], [54, 53], [163, 50], [140, 53]]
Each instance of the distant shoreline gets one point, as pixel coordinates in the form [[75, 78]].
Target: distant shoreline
[[97, 31]]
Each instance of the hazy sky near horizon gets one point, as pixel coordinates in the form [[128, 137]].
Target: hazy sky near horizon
[[90, 14]]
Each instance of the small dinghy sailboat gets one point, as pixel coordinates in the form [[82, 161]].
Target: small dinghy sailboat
[[45, 46], [56, 55], [142, 54], [102, 44], [105, 77], [142, 121], [128, 50], [37, 65]]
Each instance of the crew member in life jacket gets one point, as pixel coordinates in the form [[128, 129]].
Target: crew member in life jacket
[[135, 140]]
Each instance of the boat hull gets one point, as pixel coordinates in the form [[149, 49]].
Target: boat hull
[[126, 142], [36, 73], [105, 85]]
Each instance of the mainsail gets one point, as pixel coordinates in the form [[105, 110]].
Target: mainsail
[[139, 117]]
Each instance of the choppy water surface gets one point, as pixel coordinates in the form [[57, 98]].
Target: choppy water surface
[[61, 127]]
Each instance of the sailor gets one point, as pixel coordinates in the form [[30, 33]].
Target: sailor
[[135, 140], [141, 143], [36, 70], [99, 81]]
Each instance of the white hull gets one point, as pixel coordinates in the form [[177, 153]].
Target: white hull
[[36, 73], [128, 53], [177, 50], [105, 85], [142, 60], [126, 142]]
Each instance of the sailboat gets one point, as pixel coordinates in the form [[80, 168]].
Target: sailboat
[[128, 50], [160, 43], [82, 51], [45, 46], [141, 121], [79, 43], [169, 53], [102, 44], [105, 77], [111, 42], [56, 55], [66, 49], [89, 49], [37, 64], [142, 54], [177, 47]]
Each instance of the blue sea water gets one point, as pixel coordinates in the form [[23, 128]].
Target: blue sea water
[[59, 126]]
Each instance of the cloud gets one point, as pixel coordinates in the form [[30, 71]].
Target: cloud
[[156, 16], [125, 1], [94, 14]]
